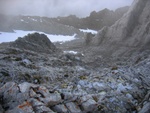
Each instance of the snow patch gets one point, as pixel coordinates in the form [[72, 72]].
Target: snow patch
[[71, 52], [8, 37], [22, 20], [34, 19], [88, 31]]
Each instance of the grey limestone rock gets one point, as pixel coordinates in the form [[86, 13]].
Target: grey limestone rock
[[88, 103], [25, 107], [52, 99], [60, 108], [146, 108], [73, 108]]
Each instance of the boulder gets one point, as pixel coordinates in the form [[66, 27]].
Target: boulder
[[88, 103], [11, 96], [146, 108], [51, 99], [73, 108], [61, 108], [25, 87]]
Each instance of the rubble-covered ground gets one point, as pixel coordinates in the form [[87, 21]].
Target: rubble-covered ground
[[37, 77]]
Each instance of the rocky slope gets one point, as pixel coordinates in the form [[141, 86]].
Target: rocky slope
[[95, 21], [98, 79], [36, 79]]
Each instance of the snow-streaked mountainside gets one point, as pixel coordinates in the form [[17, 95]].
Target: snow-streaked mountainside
[[31, 23], [62, 25]]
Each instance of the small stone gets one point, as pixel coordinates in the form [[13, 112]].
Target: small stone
[[24, 87], [146, 108], [35, 102], [10, 96], [43, 90], [122, 87], [102, 93], [98, 86], [129, 96], [88, 103], [17, 110], [26, 61], [84, 99], [32, 93], [73, 108], [6, 86], [60, 108], [69, 97], [23, 108], [52, 99], [43, 109]]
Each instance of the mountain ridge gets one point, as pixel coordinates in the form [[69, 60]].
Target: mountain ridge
[[96, 20], [62, 25]]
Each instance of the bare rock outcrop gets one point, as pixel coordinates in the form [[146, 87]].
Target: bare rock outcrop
[[35, 42], [131, 31]]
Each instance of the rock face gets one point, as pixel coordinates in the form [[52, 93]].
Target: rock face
[[35, 42], [88, 38], [132, 30]]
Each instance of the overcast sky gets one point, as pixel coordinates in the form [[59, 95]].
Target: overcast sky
[[54, 8]]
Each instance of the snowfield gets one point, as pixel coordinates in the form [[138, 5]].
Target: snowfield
[[88, 31], [71, 52], [8, 37]]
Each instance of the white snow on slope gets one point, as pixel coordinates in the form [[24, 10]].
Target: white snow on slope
[[71, 52], [88, 31], [22, 20], [8, 37]]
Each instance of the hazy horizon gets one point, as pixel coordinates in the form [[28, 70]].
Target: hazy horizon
[[54, 8]]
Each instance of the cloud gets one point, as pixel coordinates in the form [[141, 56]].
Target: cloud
[[53, 8]]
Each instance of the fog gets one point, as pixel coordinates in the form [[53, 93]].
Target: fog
[[54, 8]]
